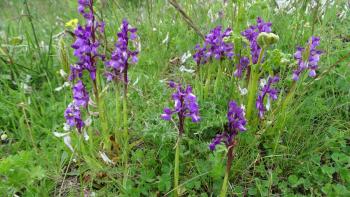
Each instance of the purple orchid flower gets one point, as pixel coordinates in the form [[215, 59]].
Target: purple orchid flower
[[80, 95], [214, 46], [266, 90], [122, 56], [73, 116], [185, 105], [307, 58], [243, 64], [252, 34], [86, 50], [236, 123]]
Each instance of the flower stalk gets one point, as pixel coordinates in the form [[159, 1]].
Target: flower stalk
[[126, 133], [117, 107], [176, 168], [185, 106], [207, 82], [236, 124], [253, 85], [228, 169], [218, 78]]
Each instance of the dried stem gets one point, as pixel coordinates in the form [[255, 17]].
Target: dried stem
[[187, 18], [29, 129], [32, 25]]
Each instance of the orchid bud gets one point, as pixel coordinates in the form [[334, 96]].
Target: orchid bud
[[266, 39]]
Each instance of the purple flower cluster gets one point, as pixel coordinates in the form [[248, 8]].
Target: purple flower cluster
[[86, 50], [73, 116], [122, 56], [80, 95], [243, 64], [73, 112], [266, 90], [236, 123], [252, 34], [307, 58], [214, 46], [185, 104], [86, 45]]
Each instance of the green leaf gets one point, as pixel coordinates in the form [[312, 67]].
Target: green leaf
[[345, 174], [164, 183], [340, 158], [293, 180], [327, 189], [328, 170], [252, 191]]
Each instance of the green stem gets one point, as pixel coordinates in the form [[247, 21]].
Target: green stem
[[29, 129], [207, 82], [32, 26], [314, 17], [224, 185], [118, 115], [217, 80], [289, 96], [227, 172], [201, 79], [125, 114], [176, 168], [198, 85], [283, 113], [126, 136], [117, 106], [125, 106], [253, 84], [101, 112]]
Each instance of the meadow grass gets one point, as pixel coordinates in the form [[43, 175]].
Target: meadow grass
[[307, 155]]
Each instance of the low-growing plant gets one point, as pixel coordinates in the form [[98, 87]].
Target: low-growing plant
[[185, 106], [87, 48]]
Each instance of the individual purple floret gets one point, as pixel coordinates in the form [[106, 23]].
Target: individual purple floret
[[266, 90], [243, 64], [122, 56], [236, 123], [214, 46], [199, 54], [80, 95], [216, 141], [185, 105], [252, 34], [307, 58], [73, 116]]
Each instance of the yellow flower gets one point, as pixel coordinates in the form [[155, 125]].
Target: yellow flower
[[72, 23]]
